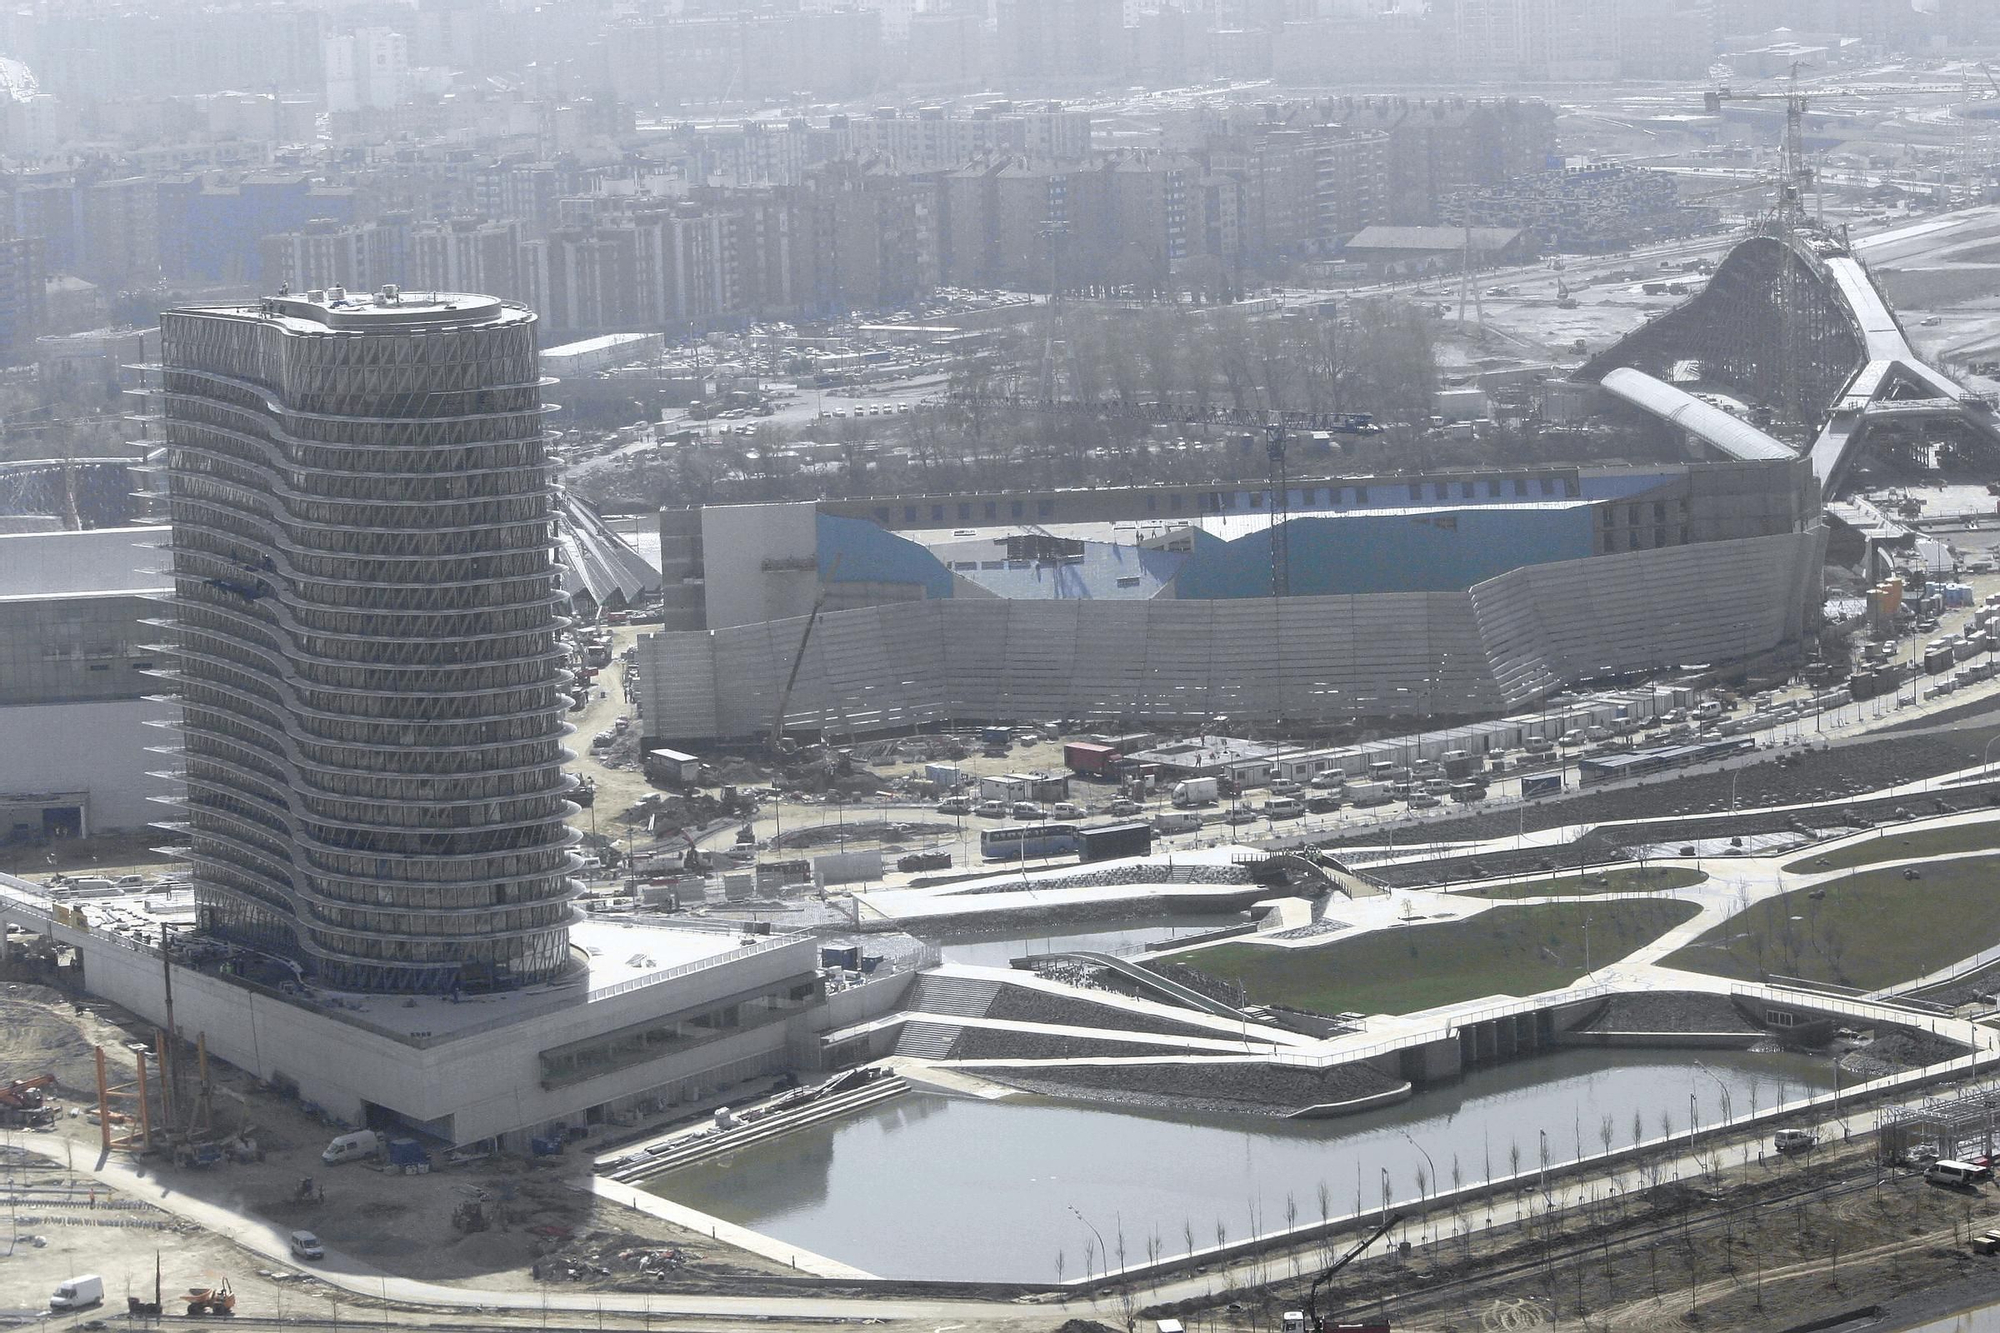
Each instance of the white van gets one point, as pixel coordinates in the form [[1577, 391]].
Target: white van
[[1178, 821], [1965, 1175], [1283, 807], [353, 1147]]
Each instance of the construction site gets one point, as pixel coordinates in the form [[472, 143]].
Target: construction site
[[1405, 898]]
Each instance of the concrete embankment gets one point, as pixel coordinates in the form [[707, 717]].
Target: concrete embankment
[[701, 1146], [1656, 1020]]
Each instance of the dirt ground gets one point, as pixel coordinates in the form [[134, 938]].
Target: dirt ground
[[112, 854], [101, 1232], [618, 788], [539, 1212]]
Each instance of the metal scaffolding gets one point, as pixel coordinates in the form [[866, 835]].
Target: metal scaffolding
[[1952, 1127]]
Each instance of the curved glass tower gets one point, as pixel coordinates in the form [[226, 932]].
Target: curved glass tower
[[365, 619]]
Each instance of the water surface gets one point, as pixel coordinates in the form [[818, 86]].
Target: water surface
[[944, 1187]]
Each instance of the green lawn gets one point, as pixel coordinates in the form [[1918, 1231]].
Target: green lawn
[[1507, 950], [1871, 929], [1890, 845], [1625, 879]]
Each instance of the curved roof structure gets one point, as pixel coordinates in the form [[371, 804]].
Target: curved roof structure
[[1831, 350], [1706, 422], [601, 566]]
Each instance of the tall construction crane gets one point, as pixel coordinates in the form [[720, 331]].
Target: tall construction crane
[[798, 659], [1795, 175], [1788, 216]]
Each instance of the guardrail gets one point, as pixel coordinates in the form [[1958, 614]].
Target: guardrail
[[1978, 962], [1870, 1010], [763, 945], [1447, 1030]]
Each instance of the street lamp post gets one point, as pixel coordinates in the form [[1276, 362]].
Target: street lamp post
[[1100, 1240], [1728, 1107], [1423, 1198]]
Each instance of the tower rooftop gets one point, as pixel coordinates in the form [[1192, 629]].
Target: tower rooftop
[[334, 309]]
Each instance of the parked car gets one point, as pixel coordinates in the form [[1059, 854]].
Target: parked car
[[1027, 810], [991, 810], [955, 805], [1122, 807], [1066, 810]]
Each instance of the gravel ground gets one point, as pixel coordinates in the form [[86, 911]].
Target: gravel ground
[[1975, 985], [1613, 842], [1023, 1004], [1834, 773], [1115, 875], [1326, 925], [1223, 898], [1896, 1049], [1002, 1044], [1670, 1011], [1948, 717], [1204, 1086], [1197, 981]]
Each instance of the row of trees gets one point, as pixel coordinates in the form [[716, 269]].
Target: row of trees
[[1113, 369]]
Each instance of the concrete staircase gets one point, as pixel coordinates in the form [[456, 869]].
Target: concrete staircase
[[927, 1041], [955, 997]]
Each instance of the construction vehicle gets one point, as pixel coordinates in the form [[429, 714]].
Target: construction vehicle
[[78, 1293], [1564, 300], [21, 1102], [211, 1300], [198, 1156], [469, 1216], [1309, 1320]]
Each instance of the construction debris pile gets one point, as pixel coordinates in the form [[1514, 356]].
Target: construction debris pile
[[889, 832], [618, 1259]]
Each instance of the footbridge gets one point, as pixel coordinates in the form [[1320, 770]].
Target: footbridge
[[1793, 320]]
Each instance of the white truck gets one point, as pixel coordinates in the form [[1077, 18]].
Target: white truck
[[78, 1293], [1370, 793], [1195, 791]]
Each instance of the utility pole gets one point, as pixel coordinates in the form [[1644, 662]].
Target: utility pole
[[170, 1062]]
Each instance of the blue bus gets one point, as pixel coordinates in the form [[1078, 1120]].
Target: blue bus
[[1027, 842]]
